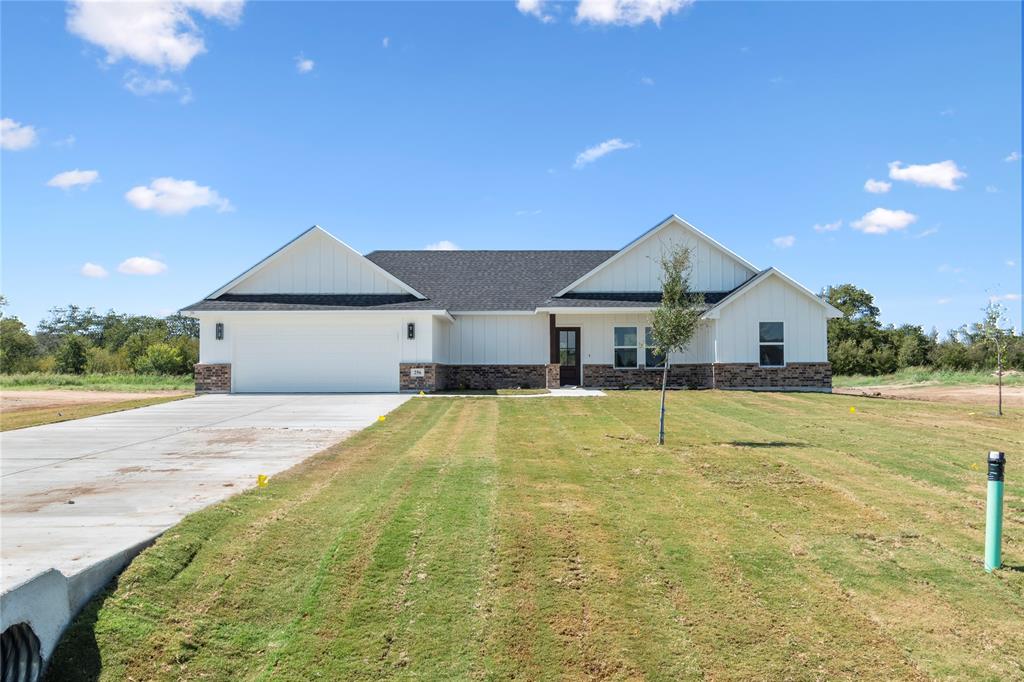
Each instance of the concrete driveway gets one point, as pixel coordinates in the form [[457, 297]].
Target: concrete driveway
[[77, 493]]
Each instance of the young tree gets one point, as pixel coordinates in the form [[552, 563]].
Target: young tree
[[995, 336], [674, 322], [17, 347]]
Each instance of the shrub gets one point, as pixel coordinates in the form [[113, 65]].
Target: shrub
[[72, 355], [102, 361], [161, 358]]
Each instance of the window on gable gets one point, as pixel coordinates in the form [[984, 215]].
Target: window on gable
[[772, 344], [652, 358], [624, 349]]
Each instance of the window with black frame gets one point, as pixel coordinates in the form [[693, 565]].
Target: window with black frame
[[772, 344]]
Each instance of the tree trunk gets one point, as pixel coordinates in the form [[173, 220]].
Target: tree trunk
[[999, 372], [664, 384]]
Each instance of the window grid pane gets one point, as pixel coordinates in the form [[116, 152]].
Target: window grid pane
[[625, 358], [771, 332], [772, 355], [625, 336]]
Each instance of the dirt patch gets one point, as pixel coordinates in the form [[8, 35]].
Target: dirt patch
[[1013, 396], [16, 401]]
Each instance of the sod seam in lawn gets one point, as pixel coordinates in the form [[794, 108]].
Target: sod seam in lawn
[[776, 536]]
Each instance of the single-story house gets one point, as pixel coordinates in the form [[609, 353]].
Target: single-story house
[[316, 316]]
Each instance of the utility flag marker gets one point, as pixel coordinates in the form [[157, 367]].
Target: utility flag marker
[[853, 410], [380, 418], [261, 480]]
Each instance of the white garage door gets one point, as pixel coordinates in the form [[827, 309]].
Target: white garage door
[[316, 356]]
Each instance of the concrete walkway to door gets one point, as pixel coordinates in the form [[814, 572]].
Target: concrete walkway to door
[[79, 492]]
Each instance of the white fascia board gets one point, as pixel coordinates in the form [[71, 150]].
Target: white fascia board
[[672, 219], [347, 311], [316, 228], [715, 311], [597, 311], [493, 312]]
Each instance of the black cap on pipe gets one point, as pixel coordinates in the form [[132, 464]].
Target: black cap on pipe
[[996, 465]]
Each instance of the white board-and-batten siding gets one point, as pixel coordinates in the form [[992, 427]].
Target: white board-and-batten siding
[[498, 339], [598, 337], [805, 324], [640, 268], [318, 264]]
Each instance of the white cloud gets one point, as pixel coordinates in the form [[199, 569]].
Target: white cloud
[[1012, 156], [627, 12], [172, 196], [594, 153], [647, 80], [943, 174], [991, 189], [926, 233], [535, 8], [877, 186], [74, 178], [949, 111], [386, 43], [140, 265], [950, 269], [944, 301], [443, 245], [94, 271], [1004, 297], [158, 33], [68, 141], [784, 242], [143, 86], [883, 220], [529, 212], [1011, 263], [828, 227], [15, 136], [303, 65]]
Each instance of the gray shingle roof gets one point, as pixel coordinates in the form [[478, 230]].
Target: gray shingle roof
[[462, 281], [313, 302], [489, 280]]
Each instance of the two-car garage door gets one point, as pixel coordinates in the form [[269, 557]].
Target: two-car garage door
[[317, 354]]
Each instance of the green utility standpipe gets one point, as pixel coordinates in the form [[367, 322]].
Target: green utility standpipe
[[994, 512]]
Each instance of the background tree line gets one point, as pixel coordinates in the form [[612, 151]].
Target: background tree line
[[74, 340], [859, 344]]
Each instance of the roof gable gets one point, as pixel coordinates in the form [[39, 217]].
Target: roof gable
[[762, 277], [316, 262], [637, 266]]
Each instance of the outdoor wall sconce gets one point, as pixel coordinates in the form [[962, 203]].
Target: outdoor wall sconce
[[220, 331], [410, 330]]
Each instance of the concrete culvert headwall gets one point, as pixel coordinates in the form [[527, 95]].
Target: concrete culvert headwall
[[19, 650]]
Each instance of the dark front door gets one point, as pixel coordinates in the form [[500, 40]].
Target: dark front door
[[569, 355]]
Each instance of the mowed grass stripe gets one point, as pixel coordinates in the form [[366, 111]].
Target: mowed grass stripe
[[935, 585], [756, 609]]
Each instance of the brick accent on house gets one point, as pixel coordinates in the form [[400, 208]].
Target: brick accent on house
[[553, 375], [432, 372], [816, 376], [679, 376], [213, 378], [484, 377], [798, 375]]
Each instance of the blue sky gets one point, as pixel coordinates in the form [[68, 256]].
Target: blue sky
[[400, 125]]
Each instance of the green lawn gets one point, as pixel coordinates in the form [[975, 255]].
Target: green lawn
[[37, 381], [925, 375], [776, 536]]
